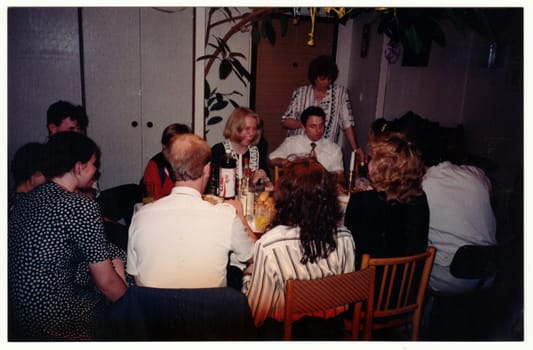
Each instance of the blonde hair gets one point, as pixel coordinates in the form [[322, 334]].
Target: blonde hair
[[397, 168], [187, 156], [236, 123]]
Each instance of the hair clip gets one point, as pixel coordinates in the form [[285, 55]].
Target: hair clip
[[383, 127]]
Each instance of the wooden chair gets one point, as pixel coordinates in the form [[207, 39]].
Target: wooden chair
[[278, 171], [307, 296], [401, 284]]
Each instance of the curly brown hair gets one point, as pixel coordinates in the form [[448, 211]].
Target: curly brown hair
[[305, 197], [396, 167]]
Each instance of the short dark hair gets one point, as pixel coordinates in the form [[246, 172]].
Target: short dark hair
[[322, 66], [60, 110], [64, 149], [173, 130], [28, 159], [379, 126], [312, 111], [424, 133]]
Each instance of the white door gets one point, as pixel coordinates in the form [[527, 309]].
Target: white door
[[138, 78]]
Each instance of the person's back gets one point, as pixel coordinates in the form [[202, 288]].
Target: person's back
[[384, 229], [181, 241], [461, 213], [391, 220]]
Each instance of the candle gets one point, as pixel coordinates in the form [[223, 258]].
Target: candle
[[239, 167], [352, 161]]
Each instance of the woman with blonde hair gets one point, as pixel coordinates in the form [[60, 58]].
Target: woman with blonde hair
[[242, 134], [392, 219]]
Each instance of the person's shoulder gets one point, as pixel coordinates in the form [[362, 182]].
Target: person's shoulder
[[221, 208], [366, 200], [331, 144], [303, 88], [278, 235], [217, 147]]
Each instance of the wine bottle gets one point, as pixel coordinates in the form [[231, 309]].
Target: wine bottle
[[226, 188]]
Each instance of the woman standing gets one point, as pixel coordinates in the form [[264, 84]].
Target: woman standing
[[392, 219], [53, 232], [243, 133], [325, 93], [304, 243]]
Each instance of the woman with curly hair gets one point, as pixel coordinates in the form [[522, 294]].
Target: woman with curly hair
[[393, 218], [304, 243]]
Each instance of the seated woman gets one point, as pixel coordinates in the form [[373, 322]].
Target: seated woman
[[304, 243], [53, 233], [157, 171], [392, 219], [243, 133]]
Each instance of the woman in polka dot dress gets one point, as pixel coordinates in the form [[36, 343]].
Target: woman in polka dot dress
[[52, 232]]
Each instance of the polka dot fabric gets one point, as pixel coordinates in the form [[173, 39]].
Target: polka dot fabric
[[52, 232]]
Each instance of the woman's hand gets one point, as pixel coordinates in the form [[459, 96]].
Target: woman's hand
[[258, 175]]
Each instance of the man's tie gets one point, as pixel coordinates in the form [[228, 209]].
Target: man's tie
[[312, 154]]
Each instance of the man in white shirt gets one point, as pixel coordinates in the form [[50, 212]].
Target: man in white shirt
[[460, 214], [182, 241], [311, 143]]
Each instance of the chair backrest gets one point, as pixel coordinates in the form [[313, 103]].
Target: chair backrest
[[278, 171], [197, 314], [309, 296], [401, 284], [476, 262]]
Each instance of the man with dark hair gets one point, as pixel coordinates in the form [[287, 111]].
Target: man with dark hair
[[459, 204], [64, 116], [26, 167], [311, 143]]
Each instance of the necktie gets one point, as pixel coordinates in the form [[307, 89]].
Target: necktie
[[312, 154]]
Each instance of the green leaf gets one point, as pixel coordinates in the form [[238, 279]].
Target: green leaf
[[223, 46], [236, 54], [267, 30], [228, 12], [207, 90], [205, 57], [233, 103], [237, 65], [219, 105], [224, 69], [214, 120]]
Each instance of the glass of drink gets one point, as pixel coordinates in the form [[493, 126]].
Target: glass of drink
[[262, 217]]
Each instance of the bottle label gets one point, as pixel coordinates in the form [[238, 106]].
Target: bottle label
[[227, 183]]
